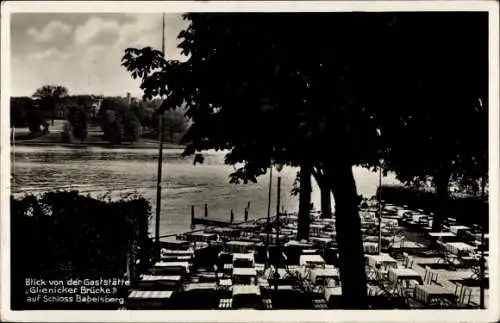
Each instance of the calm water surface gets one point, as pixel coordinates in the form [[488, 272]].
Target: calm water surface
[[98, 171]]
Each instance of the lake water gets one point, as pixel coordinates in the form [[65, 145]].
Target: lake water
[[97, 171]]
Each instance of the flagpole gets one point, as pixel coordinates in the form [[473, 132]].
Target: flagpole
[[160, 157]]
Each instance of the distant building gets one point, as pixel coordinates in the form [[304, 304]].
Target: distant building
[[96, 106]]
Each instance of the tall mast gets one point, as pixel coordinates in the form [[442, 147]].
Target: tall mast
[[160, 155]]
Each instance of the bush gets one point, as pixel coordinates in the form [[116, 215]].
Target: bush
[[37, 124], [79, 119], [131, 128], [67, 134], [63, 235], [119, 122]]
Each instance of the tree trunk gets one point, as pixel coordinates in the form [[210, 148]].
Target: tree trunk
[[326, 202], [351, 259], [441, 181], [326, 196], [304, 202]]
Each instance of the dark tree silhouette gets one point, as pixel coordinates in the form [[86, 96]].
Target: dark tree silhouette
[[18, 109], [118, 121], [78, 118], [49, 98], [442, 133], [175, 125], [250, 88]]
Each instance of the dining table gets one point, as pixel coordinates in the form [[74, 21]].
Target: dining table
[[433, 294], [459, 248], [382, 259], [398, 274]]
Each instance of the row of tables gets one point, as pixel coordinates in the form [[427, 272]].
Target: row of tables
[[400, 279]]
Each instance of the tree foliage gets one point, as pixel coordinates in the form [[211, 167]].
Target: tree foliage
[[78, 118], [50, 97], [62, 235], [441, 135], [25, 111], [19, 106], [67, 135], [175, 123], [356, 89], [118, 121]]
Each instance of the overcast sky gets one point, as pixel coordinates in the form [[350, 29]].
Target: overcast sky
[[83, 51]]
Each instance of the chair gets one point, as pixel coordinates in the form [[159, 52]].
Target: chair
[[430, 276], [410, 262], [226, 303], [446, 257], [463, 293], [267, 303], [381, 273], [406, 258], [476, 271], [427, 275], [319, 304]]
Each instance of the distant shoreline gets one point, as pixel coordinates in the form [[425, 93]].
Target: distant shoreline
[[137, 145], [93, 139]]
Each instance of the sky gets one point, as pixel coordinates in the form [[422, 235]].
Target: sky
[[83, 51]]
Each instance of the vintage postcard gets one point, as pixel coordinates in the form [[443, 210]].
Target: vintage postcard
[[249, 161]]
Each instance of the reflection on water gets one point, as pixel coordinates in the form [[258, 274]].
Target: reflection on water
[[100, 170]]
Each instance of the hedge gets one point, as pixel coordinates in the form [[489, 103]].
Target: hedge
[[63, 235]]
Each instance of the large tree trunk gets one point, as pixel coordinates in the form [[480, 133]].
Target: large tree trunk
[[441, 182], [326, 195], [340, 178], [304, 202], [326, 202]]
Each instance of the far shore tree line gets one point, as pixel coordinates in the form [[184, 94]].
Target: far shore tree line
[[121, 119]]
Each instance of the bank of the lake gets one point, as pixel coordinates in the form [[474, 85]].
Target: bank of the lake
[[143, 144], [93, 139]]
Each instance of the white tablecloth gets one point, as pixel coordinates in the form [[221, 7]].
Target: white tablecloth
[[425, 293], [311, 259], [459, 247], [396, 274], [441, 234], [455, 228], [323, 273], [383, 259]]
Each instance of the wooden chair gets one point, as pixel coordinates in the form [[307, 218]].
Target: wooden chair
[[410, 262], [267, 303], [476, 271], [430, 276], [226, 304], [446, 257], [406, 259], [463, 294], [319, 304]]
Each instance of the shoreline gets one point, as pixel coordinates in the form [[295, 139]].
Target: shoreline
[[140, 145]]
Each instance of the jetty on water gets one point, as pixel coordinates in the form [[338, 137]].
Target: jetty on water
[[228, 265]]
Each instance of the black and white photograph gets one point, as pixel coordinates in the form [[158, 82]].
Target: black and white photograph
[[226, 157]]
